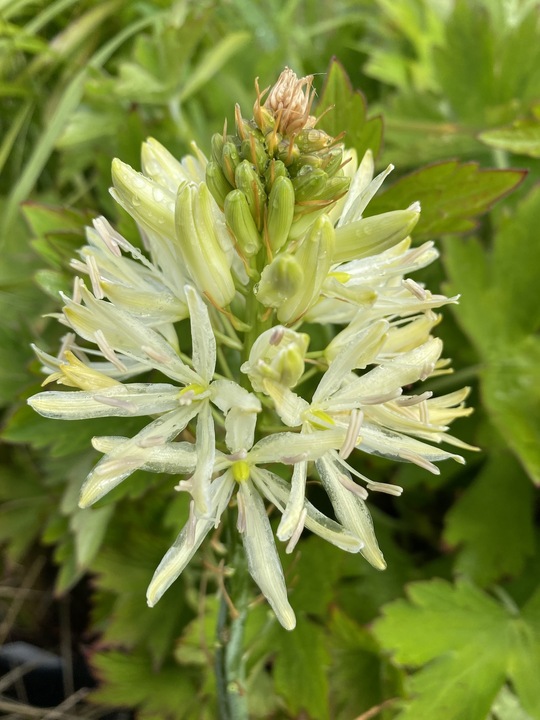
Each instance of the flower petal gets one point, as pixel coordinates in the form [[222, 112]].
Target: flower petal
[[202, 336], [276, 490], [189, 540], [114, 401], [263, 561], [132, 454], [350, 510]]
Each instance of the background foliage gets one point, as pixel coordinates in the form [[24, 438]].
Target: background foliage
[[451, 96]]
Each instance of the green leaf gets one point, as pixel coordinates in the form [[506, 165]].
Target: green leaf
[[500, 313], [300, 669], [493, 521], [466, 645], [132, 680], [359, 680], [523, 138], [346, 112], [452, 196]]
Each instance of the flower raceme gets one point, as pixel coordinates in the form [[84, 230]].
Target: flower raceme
[[248, 245]]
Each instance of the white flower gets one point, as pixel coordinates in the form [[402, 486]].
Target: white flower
[[240, 470], [119, 333]]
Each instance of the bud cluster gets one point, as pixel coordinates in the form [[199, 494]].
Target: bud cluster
[[277, 173]]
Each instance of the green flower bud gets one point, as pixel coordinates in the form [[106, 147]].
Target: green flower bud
[[315, 256], [280, 280], [280, 212], [333, 160], [247, 180], [201, 252], [254, 151], [277, 354], [274, 170], [241, 223], [308, 183], [312, 139], [373, 235], [217, 143], [217, 183], [229, 161]]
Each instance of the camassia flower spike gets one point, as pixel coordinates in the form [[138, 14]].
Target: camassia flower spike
[[248, 245]]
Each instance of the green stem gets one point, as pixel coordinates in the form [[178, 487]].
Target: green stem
[[230, 657]]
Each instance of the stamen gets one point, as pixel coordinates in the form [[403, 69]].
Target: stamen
[[424, 412], [380, 399], [184, 486], [353, 432], [353, 487], [238, 455], [416, 289], [154, 354], [295, 537], [116, 402], [93, 272], [191, 524], [109, 236], [277, 335], [76, 296], [152, 441], [293, 459], [107, 351], [118, 467], [420, 461], [67, 344], [387, 488], [241, 521], [186, 398]]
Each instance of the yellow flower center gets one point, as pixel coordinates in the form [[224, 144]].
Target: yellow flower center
[[326, 420], [240, 471]]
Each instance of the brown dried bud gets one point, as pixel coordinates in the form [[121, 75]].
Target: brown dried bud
[[288, 104]]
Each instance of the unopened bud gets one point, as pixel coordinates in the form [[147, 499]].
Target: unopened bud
[[280, 212], [275, 169], [230, 160], [148, 203], [199, 245], [314, 255], [217, 183], [254, 151], [278, 355], [375, 234], [241, 223], [280, 280], [247, 180], [308, 183]]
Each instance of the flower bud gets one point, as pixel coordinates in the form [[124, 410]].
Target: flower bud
[[159, 165], [315, 257], [254, 151], [241, 223], [229, 161], [274, 170], [203, 256], [375, 234], [280, 280], [278, 355], [280, 212], [217, 183], [308, 183], [148, 203], [247, 180]]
